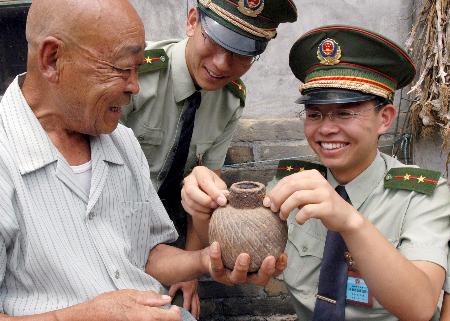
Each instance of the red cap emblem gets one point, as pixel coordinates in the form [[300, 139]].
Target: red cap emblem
[[329, 52], [251, 8]]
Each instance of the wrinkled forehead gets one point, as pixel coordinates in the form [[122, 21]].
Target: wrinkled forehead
[[124, 54], [111, 47]]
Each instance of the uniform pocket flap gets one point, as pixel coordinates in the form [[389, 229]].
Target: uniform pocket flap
[[306, 243], [152, 136]]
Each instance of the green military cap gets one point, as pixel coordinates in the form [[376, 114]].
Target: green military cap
[[344, 64], [244, 26]]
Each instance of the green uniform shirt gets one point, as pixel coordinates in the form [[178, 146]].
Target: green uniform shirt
[[154, 115], [416, 224]]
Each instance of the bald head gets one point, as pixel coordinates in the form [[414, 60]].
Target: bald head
[[81, 22], [83, 58]]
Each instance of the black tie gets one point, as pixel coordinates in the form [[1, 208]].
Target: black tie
[[330, 302], [170, 190]]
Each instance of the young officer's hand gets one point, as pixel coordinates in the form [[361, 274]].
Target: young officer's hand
[[202, 192], [191, 300], [310, 192]]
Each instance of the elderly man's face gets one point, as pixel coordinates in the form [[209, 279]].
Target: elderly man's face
[[98, 79]]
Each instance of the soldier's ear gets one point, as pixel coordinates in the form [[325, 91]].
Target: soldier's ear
[[192, 21], [385, 117], [49, 54]]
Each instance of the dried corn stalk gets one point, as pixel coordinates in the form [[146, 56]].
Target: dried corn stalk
[[429, 43]]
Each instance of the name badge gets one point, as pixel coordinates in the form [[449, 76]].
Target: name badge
[[357, 291]]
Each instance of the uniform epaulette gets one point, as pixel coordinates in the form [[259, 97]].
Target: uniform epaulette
[[290, 166], [154, 59], [413, 179], [237, 87]]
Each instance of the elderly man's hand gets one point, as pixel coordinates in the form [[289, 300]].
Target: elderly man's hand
[[203, 191], [239, 275], [124, 305]]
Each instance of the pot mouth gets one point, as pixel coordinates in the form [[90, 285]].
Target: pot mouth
[[247, 194], [247, 186]]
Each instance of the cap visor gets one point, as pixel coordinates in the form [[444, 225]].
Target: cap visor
[[230, 39], [333, 96]]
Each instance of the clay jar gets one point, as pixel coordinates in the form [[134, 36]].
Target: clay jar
[[245, 226]]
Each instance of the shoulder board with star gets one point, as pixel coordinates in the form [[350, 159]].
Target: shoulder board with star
[[154, 59], [291, 166], [413, 179], [237, 87]]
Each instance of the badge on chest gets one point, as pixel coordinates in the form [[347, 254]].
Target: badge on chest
[[357, 292]]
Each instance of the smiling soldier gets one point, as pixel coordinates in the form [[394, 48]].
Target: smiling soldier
[[191, 97], [369, 242]]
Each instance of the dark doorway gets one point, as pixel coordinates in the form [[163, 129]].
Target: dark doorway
[[13, 45]]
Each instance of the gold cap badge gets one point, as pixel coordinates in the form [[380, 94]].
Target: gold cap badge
[[251, 8], [329, 52]]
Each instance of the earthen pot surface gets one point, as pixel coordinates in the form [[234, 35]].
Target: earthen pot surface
[[246, 226]]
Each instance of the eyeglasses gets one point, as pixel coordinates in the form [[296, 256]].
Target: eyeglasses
[[340, 114], [214, 46]]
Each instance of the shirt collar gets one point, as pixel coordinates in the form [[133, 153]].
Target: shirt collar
[[33, 147], [104, 148], [363, 185], [183, 85]]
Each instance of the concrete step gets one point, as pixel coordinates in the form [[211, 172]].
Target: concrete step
[[245, 302]]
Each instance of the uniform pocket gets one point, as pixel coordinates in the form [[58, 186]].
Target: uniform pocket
[[149, 136], [305, 252]]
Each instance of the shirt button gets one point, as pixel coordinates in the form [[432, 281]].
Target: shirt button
[[304, 249], [140, 138], [117, 274], [91, 215]]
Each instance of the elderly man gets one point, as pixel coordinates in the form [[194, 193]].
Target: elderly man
[[369, 241], [81, 225], [191, 96]]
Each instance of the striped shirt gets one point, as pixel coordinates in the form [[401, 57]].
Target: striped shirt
[[58, 245]]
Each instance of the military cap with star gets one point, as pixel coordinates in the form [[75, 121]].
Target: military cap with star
[[345, 64], [244, 26]]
